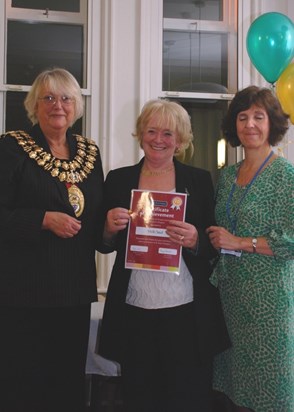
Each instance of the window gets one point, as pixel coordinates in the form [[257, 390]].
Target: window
[[32, 47], [38, 38], [199, 70], [199, 52], [190, 55], [56, 5], [197, 64], [198, 10], [206, 119]]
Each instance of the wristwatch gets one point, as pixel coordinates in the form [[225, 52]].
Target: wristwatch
[[254, 244]]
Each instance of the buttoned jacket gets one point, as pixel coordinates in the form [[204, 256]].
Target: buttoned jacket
[[38, 268], [197, 184]]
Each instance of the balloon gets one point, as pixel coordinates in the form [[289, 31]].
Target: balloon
[[270, 44], [285, 90]]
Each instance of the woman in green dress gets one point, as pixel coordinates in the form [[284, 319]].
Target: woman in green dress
[[255, 270]]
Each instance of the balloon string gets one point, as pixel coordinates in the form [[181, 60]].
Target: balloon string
[[273, 88]]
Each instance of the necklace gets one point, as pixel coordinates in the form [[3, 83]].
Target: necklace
[[147, 172], [70, 172], [56, 152]]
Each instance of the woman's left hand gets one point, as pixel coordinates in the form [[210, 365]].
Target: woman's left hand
[[182, 233]]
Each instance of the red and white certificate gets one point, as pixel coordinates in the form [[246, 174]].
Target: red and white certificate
[[148, 245]]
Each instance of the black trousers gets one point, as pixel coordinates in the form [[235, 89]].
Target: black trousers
[[161, 368], [42, 359]]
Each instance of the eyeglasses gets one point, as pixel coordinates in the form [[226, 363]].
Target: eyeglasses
[[51, 100]]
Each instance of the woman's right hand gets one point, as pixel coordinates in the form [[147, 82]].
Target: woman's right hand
[[222, 238], [61, 224]]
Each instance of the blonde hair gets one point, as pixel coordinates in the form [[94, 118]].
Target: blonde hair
[[59, 81], [169, 114]]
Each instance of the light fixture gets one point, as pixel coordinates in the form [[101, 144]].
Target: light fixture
[[221, 153]]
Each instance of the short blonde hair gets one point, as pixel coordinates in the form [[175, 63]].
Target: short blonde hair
[[171, 114], [59, 81]]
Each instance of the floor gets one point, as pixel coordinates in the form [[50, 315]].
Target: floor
[[104, 394]]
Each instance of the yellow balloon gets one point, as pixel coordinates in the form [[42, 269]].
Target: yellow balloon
[[285, 90]]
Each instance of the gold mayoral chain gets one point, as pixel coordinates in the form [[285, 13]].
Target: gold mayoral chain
[[70, 172]]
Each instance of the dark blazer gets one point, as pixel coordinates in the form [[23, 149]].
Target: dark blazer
[[197, 184], [38, 268]]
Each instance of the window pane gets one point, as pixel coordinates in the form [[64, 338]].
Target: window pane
[[69, 6], [206, 121], [194, 10], [33, 47], [195, 62], [16, 116]]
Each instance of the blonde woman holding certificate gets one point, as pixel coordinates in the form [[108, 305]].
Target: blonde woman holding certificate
[[163, 328]]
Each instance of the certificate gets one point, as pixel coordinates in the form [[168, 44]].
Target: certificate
[[148, 245]]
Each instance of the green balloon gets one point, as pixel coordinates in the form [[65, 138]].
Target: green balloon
[[270, 44]]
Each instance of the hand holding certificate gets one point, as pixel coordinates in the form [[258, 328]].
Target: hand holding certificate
[[148, 246]]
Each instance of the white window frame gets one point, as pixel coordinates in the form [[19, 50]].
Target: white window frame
[[84, 17], [152, 25]]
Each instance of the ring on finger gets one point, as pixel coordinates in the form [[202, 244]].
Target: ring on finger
[[115, 222], [182, 238]]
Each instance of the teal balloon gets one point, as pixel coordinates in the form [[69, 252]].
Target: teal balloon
[[270, 44]]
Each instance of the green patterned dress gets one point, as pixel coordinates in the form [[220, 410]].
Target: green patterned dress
[[257, 293]]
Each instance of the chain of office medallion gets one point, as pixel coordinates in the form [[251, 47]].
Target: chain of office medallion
[[73, 171]]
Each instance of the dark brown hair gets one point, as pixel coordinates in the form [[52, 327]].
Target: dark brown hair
[[261, 97]]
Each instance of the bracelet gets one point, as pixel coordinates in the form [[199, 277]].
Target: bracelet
[[254, 244]]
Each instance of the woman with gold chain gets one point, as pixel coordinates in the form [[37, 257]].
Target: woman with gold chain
[[51, 194]]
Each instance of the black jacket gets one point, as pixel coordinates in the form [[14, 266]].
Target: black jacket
[[197, 184], [38, 268]]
